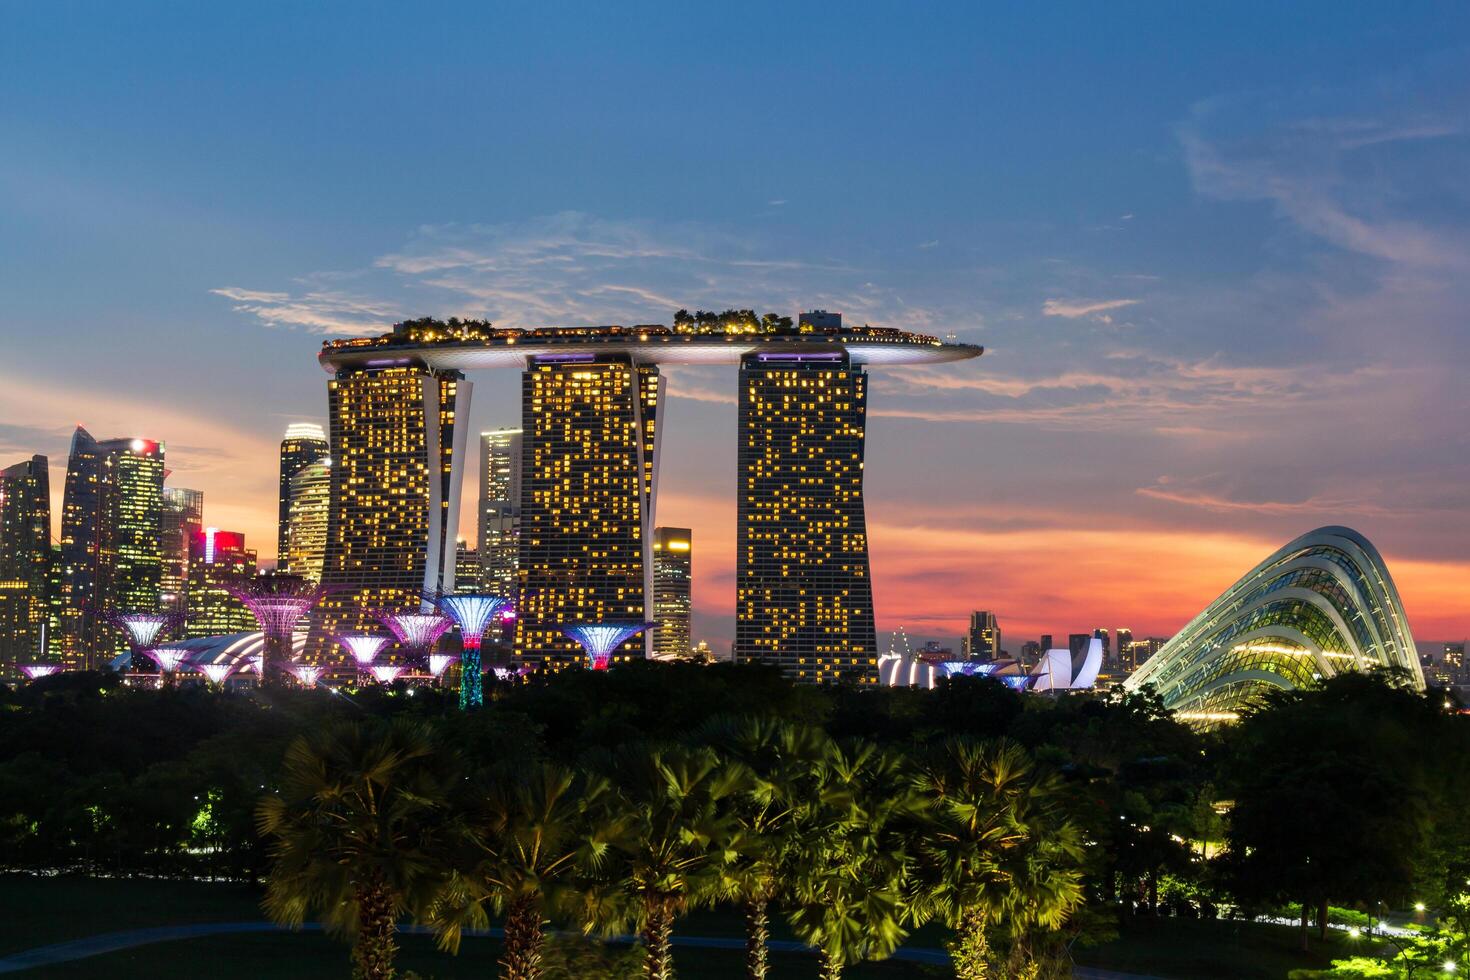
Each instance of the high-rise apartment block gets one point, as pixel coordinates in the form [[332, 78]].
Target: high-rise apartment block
[[673, 566], [982, 642], [804, 596], [218, 562], [396, 433], [589, 426], [466, 567], [306, 531], [303, 444], [183, 517], [500, 510], [111, 524], [25, 561]]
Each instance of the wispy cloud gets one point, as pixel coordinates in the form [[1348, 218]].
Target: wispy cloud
[[1077, 309], [317, 310]]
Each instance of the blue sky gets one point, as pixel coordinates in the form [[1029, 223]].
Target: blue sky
[[1218, 254]]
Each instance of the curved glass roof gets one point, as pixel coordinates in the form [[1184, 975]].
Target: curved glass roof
[[1323, 604]]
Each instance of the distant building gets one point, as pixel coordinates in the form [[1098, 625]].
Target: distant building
[[111, 521], [25, 560], [1122, 640], [1031, 652], [306, 520], [466, 567], [1046, 643], [673, 564], [1101, 633], [304, 444], [218, 560], [500, 509], [1077, 643], [1454, 655], [183, 517], [804, 595], [818, 321], [982, 642]]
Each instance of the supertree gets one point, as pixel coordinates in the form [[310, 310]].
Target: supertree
[[142, 630], [278, 602], [387, 673], [474, 613], [216, 672], [169, 659], [417, 632], [37, 671], [601, 639], [306, 674], [439, 662], [364, 647]]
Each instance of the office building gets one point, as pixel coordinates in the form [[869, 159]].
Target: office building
[[183, 517], [111, 524], [673, 567], [804, 596], [466, 567], [1046, 642], [590, 469], [25, 560], [304, 444], [1122, 641], [218, 561], [1101, 633], [1323, 604], [500, 510], [982, 642], [394, 501], [306, 530]]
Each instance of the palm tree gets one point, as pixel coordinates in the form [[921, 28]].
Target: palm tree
[[850, 881], [784, 793], [526, 836], [355, 828], [997, 850], [672, 832]]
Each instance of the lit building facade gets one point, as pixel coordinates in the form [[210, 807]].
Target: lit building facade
[[218, 561], [500, 510], [303, 444], [397, 433], [183, 517], [982, 642], [25, 560], [1322, 605], [589, 426], [111, 524], [673, 577], [466, 568], [804, 596], [306, 532]]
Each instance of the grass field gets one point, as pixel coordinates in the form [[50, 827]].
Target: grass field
[[43, 911]]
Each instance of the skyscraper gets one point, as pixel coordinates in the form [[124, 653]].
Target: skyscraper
[[25, 558], [183, 517], [304, 444], [804, 598], [1101, 633], [982, 642], [590, 458], [1122, 646], [218, 560], [673, 562], [466, 567], [500, 509], [111, 523], [394, 504], [306, 521]]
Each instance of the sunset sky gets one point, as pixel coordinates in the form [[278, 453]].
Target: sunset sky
[[1219, 256]]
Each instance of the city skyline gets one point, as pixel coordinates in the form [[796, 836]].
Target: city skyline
[[1167, 327]]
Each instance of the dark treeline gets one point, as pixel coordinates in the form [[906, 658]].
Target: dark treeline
[[622, 800]]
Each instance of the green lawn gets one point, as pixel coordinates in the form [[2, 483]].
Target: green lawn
[[1211, 950], [42, 911]]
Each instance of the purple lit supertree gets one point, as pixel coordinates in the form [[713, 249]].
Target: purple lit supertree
[[306, 674], [387, 673], [216, 672], [142, 630], [601, 639], [474, 612], [37, 671], [168, 659], [417, 632], [278, 602], [363, 647]]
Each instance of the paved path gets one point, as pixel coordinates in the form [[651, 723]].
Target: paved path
[[112, 942]]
